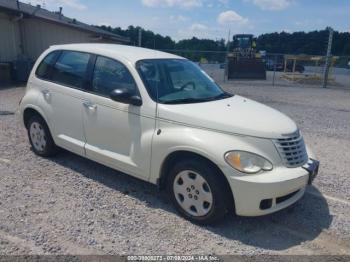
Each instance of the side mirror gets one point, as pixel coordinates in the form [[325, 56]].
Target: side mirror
[[124, 96]]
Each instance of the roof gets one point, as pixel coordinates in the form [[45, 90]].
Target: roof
[[56, 17], [130, 53]]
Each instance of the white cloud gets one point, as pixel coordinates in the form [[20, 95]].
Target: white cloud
[[272, 5], [224, 2], [198, 30], [173, 3], [231, 17], [198, 27], [178, 18], [75, 4]]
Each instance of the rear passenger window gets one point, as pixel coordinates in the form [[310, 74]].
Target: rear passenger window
[[70, 68], [110, 75], [45, 67]]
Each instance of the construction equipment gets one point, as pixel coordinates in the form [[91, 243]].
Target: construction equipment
[[244, 62]]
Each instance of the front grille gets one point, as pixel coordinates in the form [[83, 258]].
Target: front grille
[[292, 150]]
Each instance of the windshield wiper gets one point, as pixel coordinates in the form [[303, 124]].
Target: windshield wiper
[[184, 101], [196, 100], [222, 96]]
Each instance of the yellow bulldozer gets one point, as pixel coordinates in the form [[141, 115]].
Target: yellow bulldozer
[[243, 61]]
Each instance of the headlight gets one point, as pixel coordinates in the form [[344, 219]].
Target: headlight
[[247, 162]]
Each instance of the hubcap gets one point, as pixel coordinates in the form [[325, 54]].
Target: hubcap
[[193, 193], [37, 135]]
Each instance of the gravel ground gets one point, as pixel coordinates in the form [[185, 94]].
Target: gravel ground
[[70, 205]]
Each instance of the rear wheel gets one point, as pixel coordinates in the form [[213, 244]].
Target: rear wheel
[[199, 191], [40, 137]]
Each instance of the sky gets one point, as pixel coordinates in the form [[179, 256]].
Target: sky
[[211, 19]]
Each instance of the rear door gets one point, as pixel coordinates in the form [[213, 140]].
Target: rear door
[[118, 135], [63, 96]]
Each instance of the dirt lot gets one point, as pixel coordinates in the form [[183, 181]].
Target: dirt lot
[[69, 205]]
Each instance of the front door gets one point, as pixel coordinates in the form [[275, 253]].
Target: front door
[[117, 134]]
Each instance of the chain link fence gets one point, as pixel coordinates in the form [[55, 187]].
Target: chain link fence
[[281, 69]]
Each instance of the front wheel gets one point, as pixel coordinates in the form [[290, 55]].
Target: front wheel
[[199, 191]]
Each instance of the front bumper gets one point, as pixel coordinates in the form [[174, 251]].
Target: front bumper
[[261, 194]]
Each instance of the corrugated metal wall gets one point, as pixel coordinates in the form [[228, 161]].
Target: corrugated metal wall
[[9, 39], [39, 35]]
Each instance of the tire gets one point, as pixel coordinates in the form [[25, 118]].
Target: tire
[[40, 137], [199, 180]]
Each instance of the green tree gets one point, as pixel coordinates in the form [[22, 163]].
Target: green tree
[[312, 43]]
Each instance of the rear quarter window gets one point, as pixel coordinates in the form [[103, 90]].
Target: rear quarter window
[[45, 67]]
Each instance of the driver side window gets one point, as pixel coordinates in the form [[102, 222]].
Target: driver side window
[[109, 75]]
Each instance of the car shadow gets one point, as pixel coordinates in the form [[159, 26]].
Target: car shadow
[[301, 222]]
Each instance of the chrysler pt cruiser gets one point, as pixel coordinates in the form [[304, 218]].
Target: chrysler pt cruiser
[[162, 119]]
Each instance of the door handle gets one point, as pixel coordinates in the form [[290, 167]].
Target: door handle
[[90, 106], [46, 94]]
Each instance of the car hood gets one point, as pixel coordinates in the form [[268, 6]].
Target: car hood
[[237, 115]]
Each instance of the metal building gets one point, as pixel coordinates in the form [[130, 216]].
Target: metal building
[[26, 31]]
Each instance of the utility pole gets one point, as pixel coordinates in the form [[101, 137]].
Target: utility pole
[[328, 57], [140, 37]]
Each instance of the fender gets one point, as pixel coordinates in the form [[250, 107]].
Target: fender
[[208, 144]]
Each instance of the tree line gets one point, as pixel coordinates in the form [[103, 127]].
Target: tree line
[[312, 43], [194, 48]]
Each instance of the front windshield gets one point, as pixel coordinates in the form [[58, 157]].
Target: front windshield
[[176, 81]]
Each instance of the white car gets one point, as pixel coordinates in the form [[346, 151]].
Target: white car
[[160, 118]]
